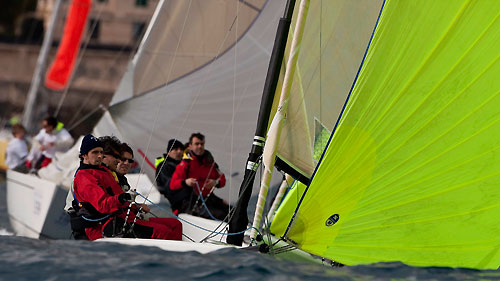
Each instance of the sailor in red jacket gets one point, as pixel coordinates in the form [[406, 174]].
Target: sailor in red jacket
[[199, 171], [103, 207]]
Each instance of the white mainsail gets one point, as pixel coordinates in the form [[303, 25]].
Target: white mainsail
[[226, 45]]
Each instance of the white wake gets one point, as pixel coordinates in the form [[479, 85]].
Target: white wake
[[5, 232]]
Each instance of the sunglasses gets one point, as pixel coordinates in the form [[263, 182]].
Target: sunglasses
[[123, 159], [114, 155], [130, 161]]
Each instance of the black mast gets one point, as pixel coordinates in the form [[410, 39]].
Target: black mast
[[239, 218]]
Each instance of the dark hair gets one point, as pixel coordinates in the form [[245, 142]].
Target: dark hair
[[51, 121], [111, 144], [17, 128], [196, 135], [126, 148]]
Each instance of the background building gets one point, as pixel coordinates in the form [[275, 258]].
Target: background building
[[112, 34]]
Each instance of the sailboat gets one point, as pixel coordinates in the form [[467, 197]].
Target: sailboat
[[404, 168], [213, 94]]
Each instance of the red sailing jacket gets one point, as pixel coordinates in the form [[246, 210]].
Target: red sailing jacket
[[200, 168], [97, 186]]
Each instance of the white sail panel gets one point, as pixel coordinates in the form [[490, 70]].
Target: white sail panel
[[335, 38], [221, 100], [183, 36]]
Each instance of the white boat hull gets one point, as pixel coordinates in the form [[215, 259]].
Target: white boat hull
[[35, 207], [194, 230], [169, 245]]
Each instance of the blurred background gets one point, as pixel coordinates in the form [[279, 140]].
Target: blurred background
[[110, 38]]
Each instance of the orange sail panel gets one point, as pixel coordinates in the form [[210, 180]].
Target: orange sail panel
[[62, 67]]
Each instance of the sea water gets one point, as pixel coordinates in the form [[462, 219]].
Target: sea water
[[31, 259]]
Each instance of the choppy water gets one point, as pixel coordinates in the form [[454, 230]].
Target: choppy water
[[29, 259]]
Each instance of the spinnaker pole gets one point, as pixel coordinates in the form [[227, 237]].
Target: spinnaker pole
[[239, 218]]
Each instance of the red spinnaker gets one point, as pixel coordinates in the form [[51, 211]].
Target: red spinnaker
[[62, 67]]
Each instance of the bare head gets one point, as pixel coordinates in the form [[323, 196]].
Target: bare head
[[197, 143], [18, 131], [49, 124], [111, 151]]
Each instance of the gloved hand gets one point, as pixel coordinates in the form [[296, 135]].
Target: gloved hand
[[133, 194], [124, 197], [127, 196]]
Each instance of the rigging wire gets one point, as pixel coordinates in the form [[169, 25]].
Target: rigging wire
[[246, 184], [160, 105], [189, 111], [190, 223], [82, 119], [76, 121], [230, 179], [230, 128]]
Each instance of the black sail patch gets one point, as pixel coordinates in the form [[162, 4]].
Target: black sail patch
[[333, 219]]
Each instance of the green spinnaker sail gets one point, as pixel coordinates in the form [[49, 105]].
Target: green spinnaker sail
[[412, 170]]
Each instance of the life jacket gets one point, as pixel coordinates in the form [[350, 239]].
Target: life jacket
[[59, 126], [158, 161], [201, 168]]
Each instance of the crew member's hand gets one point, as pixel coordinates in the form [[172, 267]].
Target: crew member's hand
[[210, 183], [133, 194], [47, 146], [145, 208], [191, 182]]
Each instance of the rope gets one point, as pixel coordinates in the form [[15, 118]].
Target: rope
[[126, 217], [135, 218], [190, 223], [95, 220], [203, 201], [247, 185]]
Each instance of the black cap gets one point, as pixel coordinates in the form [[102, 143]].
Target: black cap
[[174, 144], [89, 142]]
